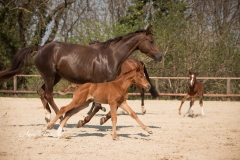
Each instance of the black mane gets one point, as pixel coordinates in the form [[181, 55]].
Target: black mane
[[117, 39]]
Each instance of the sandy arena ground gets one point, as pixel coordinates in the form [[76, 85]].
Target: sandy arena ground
[[213, 137]]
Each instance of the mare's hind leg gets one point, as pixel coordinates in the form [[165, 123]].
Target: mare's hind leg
[[97, 107], [41, 92], [125, 107], [47, 95], [183, 100]]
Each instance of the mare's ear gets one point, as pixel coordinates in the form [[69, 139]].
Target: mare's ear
[[149, 30]]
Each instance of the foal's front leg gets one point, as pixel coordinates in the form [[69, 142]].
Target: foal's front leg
[[113, 107], [126, 107], [183, 100]]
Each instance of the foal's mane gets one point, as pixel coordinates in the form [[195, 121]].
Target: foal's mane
[[117, 39]]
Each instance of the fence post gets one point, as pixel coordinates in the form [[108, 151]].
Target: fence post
[[15, 84], [228, 86]]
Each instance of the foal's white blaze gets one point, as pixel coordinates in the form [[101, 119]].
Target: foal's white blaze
[[192, 78]]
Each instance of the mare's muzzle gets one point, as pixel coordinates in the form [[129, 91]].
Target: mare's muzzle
[[158, 57], [147, 87]]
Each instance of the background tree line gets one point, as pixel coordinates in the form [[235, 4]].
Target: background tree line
[[193, 35]]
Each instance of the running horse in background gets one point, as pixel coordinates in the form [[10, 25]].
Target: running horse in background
[[80, 64], [195, 89], [113, 93]]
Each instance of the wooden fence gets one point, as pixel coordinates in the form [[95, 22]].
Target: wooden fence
[[156, 79]]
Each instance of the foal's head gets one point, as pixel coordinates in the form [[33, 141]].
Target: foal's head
[[140, 79], [192, 76]]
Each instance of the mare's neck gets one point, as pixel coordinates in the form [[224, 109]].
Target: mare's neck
[[125, 47]]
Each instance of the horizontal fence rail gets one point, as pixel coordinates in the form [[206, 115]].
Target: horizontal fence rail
[[156, 79]]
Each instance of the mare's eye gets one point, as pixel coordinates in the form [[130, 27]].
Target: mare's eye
[[151, 42]]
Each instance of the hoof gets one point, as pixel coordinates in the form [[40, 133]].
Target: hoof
[[103, 109], [61, 93], [80, 123], [144, 111], [116, 138], [47, 119], [102, 121]]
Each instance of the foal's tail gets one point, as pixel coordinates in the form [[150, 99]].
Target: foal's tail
[[19, 63], [152, 90]]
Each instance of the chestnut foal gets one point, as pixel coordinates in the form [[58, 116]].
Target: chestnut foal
[[113, 93], [195, 89]]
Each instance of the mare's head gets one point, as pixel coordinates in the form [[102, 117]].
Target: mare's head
[[140, 79], [192, 76], [148, 46]]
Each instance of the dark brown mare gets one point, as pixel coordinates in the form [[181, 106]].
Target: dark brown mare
[[195, 89], [126, 67], [80, 64], [113, 93]]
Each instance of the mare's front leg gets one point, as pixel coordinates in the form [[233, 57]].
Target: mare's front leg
[[126, 107], [141, 90], [113, 106], [183, 100]]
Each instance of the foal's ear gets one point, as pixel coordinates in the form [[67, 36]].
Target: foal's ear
[[196, 73], [139, 68], [149, 30], [189, 72]]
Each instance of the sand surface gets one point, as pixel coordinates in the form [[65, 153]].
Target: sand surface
[[215, 136]]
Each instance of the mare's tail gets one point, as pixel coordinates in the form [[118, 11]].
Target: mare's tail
[[19, 63], [152, 90]]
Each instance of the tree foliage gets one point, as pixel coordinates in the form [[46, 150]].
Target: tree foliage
[[193, 35]]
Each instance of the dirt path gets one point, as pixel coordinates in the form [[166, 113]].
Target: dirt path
[[215, 136]]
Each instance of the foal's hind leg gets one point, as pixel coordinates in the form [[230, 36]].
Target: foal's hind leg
[[125, 107], [89, 117], [70, 114]]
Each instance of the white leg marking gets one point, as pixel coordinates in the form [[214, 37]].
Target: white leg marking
[[187, 112], [59, 131], [202, 111]]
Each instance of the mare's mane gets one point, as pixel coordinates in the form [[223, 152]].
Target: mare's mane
[[117, 39]]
